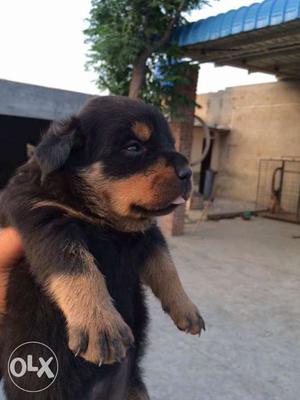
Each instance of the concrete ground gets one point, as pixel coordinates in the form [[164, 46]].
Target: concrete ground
[[245, 277]]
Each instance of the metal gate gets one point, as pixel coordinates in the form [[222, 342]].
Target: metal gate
[[278, 188]]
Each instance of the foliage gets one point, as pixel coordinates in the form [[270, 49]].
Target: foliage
[[131, 37]]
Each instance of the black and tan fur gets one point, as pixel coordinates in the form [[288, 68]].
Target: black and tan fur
[[85, 205]]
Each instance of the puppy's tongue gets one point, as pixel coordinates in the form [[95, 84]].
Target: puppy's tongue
[[179, 200]]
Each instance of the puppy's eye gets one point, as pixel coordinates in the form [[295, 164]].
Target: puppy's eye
[[133, 148]]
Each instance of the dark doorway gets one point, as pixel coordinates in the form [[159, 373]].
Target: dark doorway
[[205, 165], [15, 134]]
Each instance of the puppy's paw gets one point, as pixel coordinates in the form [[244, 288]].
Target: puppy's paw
[[186, 317], [104, 339]]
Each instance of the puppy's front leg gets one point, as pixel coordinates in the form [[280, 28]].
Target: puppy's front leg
[[96, 330], [160, 274], [61, 263]]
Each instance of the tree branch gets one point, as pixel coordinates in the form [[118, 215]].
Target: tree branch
[[166, 36], [139, 67]]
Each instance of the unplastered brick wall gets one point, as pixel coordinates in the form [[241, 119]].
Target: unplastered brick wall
[[182, 128]]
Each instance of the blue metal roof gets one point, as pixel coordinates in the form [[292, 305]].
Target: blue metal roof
[[245, 19]]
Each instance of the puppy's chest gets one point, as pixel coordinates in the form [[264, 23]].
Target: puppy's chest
[[119, 257]]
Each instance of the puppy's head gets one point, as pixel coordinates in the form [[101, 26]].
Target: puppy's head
[[124, 152]]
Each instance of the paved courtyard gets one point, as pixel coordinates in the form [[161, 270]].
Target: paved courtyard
[[245, 277]]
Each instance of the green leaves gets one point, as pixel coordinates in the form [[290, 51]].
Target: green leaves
[[121, 32]]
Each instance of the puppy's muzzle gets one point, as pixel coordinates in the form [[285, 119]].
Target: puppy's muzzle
[[183, 172]]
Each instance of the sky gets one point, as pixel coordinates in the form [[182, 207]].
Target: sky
[[41, 42]]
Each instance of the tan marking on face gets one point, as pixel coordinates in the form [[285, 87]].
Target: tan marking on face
[[150, 189], [98, 198], [112, 198], [141, 130]]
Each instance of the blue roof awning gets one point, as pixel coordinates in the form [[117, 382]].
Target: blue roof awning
[[245, 19], [261, 37]]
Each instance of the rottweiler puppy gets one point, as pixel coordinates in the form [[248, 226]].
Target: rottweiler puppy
[[85, 205]]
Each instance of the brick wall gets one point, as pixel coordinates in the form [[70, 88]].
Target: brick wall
[[182, 128]]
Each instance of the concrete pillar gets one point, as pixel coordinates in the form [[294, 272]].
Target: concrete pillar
[[182, 127]]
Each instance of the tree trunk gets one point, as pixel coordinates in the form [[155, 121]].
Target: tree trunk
[[138, 78], [139, 68]]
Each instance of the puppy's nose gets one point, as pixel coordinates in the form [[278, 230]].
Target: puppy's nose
[[180, 165], [184, 172]]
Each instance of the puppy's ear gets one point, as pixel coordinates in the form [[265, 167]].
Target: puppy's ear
[[57, 144]]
